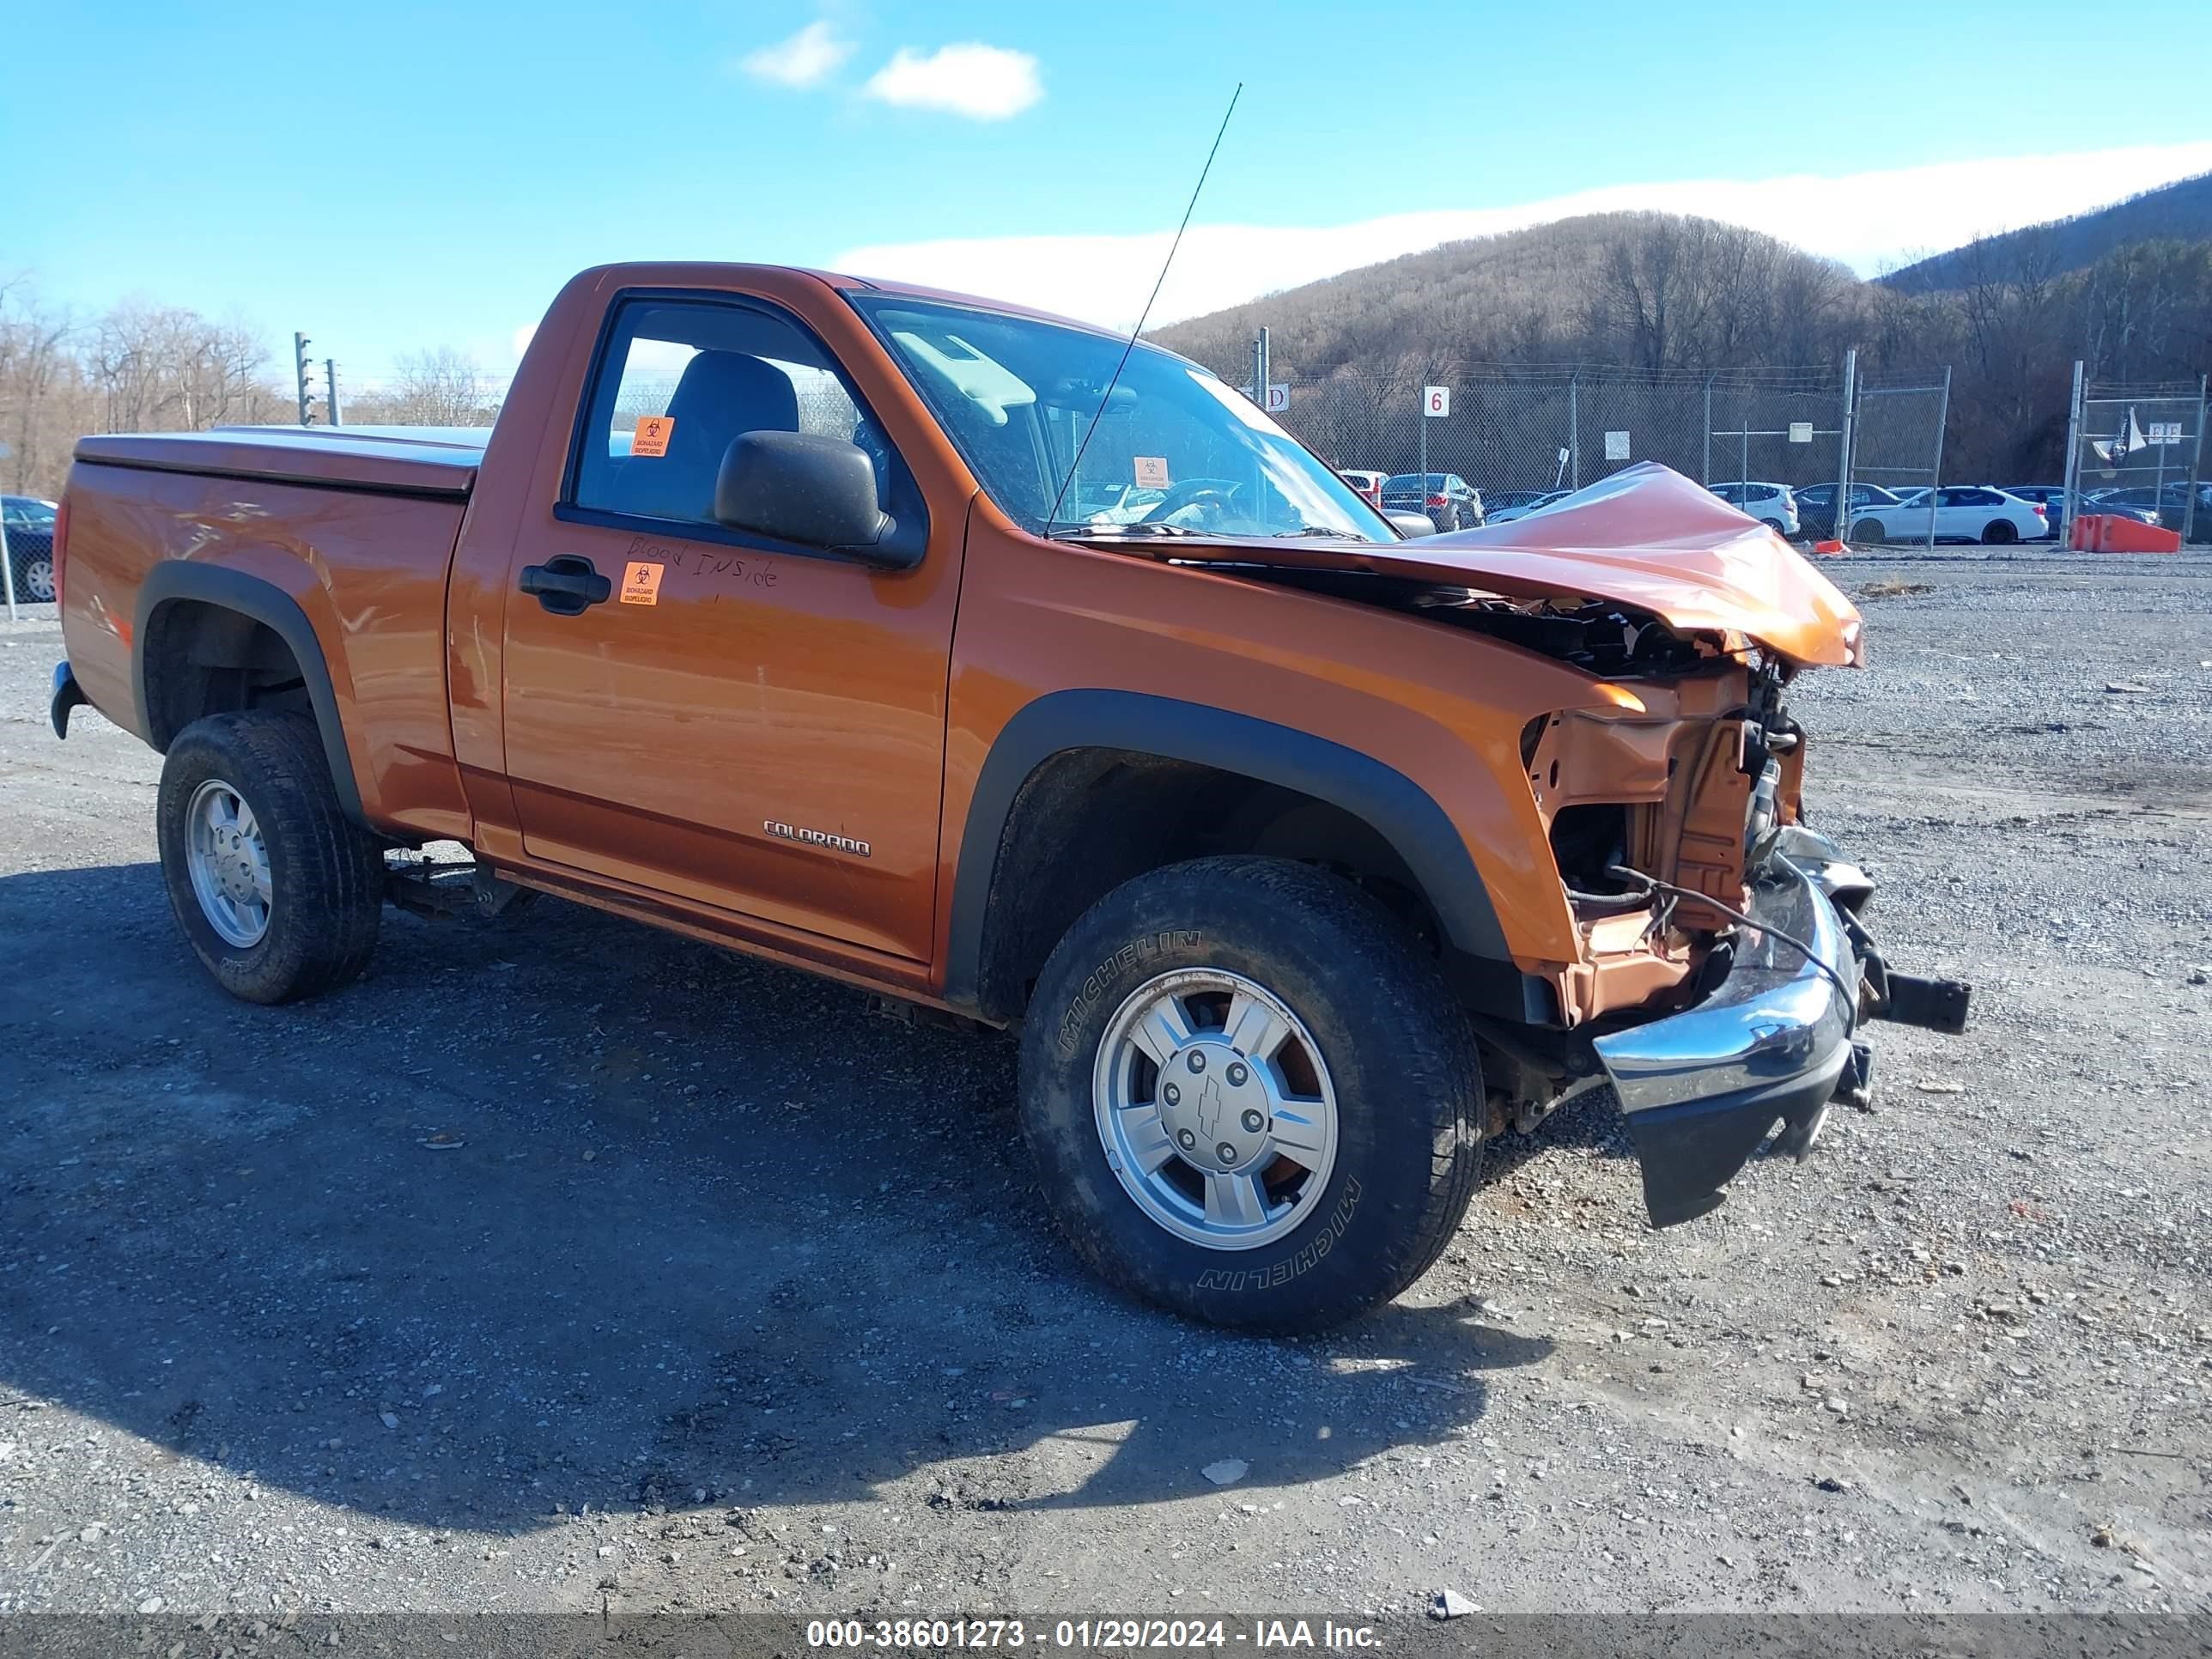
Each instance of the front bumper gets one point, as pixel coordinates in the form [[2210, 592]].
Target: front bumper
[[1773, 1042]]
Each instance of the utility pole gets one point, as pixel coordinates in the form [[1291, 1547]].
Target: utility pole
[[331, 388], [2195, 463], [1705, 459], [1422, 392], [1842, 529], [1936, 481], [2070, 474], [1575, 431], [306, 372], [1262, 368]]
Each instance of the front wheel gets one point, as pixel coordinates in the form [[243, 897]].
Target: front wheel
[[34, 579], [1248, 1096], [1868, 532], [277, 891]]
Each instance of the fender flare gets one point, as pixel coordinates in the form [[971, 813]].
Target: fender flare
[[1393, 805], [226, 589]]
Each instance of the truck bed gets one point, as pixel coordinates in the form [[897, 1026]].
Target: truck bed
[[438, 462], [346, 535]]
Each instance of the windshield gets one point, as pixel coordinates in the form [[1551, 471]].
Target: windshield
[[1176, 450]]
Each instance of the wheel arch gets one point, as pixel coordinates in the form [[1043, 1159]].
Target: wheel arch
[[1011, 899], [171, 588]]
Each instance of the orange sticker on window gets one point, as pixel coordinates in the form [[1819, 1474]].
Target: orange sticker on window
[[642, 583], [652, 437], [1152, 472]]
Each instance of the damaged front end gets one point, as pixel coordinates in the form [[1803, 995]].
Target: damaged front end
[[1726, 973], [1775, 1041], [1721, 975]]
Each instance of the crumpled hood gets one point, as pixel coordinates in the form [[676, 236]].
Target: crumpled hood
[[1646, 537]]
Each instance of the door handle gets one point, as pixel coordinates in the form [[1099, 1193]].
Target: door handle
[[565, 583]]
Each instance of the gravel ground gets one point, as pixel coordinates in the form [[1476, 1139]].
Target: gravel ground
[[567, 1265]]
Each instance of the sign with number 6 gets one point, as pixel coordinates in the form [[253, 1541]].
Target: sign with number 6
[[1436, 401]]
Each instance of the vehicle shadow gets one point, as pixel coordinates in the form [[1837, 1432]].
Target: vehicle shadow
[[575, 1212]]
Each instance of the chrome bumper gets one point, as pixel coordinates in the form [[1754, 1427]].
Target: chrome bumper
[[1702, 1089]]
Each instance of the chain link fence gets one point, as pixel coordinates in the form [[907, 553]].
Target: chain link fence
[[1514, 430], [2140, 447]]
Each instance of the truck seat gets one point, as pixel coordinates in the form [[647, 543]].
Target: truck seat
[[722, 393]]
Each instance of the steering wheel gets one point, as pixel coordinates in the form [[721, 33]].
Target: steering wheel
[[1215, 494]]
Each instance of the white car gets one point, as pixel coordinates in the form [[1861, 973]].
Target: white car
[[1369, 484], [1963, 512], [1520, 503], [1771, 504]]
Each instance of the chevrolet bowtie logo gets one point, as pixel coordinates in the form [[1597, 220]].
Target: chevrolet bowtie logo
[[1209, 1108]]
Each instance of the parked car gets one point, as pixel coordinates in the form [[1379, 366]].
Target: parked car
[[1816, 506], [29, 523], [833, 680], [1963, 512], [1520, 503], [1369, 484], [2051, 498], [1771, 504], [1450, 502], [2170, 504]]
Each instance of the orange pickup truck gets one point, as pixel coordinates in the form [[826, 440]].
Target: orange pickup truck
[[933, 645]]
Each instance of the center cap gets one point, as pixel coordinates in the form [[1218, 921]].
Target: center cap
[[1215, 1106]]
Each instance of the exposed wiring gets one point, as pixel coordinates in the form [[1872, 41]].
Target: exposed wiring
[[1653, 884]]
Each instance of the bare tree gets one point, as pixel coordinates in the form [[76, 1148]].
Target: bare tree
[[442, 388]]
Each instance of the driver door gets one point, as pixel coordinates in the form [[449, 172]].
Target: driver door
[[703, 713]]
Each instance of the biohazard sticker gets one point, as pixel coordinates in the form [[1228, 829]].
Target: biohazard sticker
[[1152, 472], [642, 583], [651, 437]]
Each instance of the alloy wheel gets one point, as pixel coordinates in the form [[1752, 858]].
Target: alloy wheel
[[229, 862], [1215, 1109]]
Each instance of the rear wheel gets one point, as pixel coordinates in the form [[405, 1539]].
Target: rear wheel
[[1248, 1096], [278, 891], [1870, 532], [2000, 532], [1776, 525]]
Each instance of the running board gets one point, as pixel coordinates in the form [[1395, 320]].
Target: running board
[[417, 884]]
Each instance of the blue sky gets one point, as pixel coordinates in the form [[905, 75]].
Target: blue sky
[[403, 176]]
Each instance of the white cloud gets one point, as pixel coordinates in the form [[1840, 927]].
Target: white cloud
[[985, 83], [1864, 219], [808, 58]]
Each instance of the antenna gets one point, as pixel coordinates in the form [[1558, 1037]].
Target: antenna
[[1131, 344]]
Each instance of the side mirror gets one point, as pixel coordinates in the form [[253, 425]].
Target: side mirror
[[816, 491], [1410, 524]]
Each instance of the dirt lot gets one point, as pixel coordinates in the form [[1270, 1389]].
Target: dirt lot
[[571, 1265]]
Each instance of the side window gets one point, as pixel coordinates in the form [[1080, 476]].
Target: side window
[[677, 381]]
